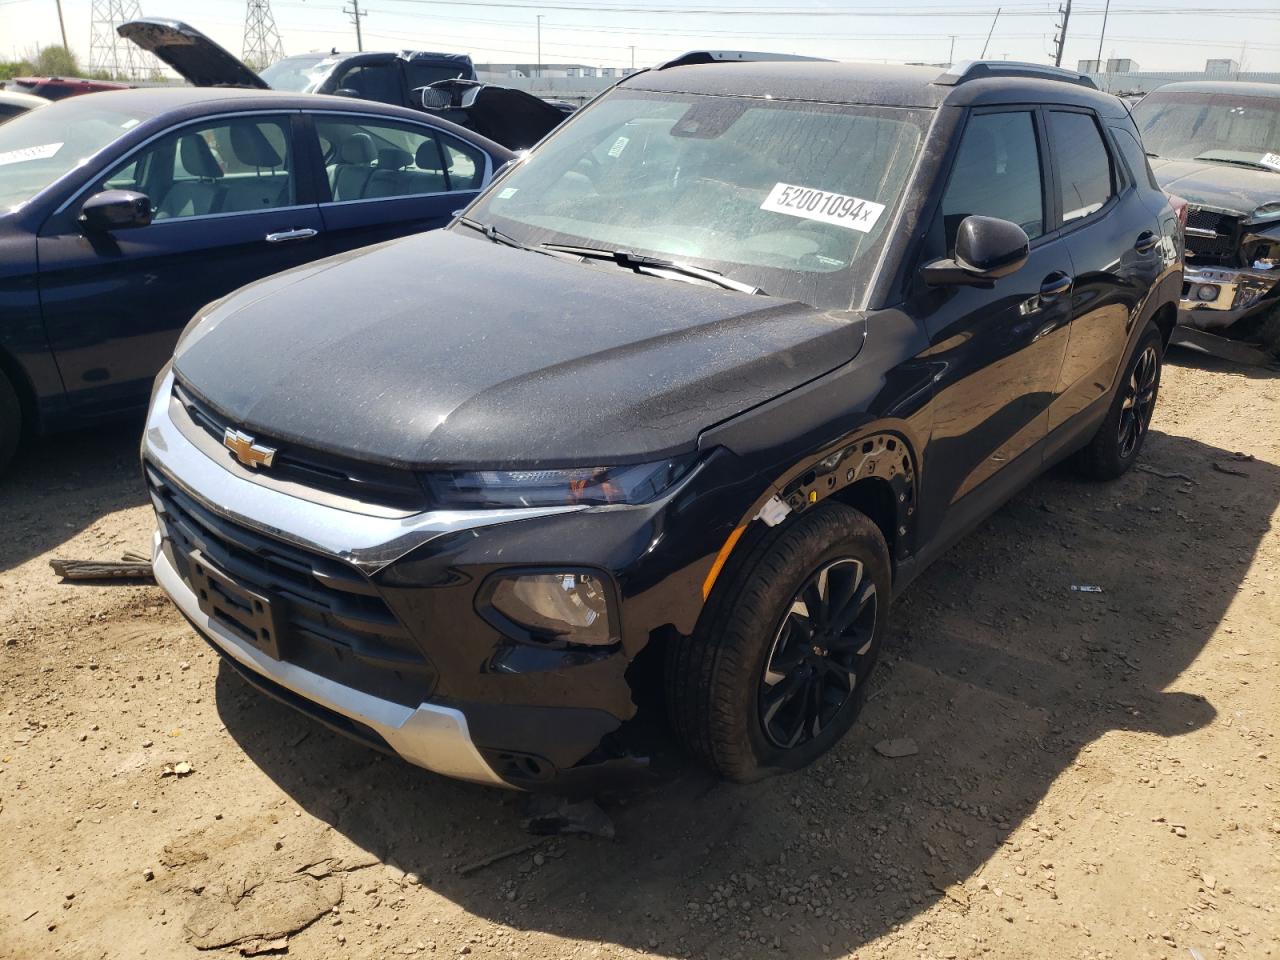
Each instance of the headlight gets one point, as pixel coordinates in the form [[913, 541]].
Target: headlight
[[1268, 211], [633, 483], [567, 607]]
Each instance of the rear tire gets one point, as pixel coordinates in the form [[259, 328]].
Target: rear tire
[[762, 688], [10, 423], [1119, 440]]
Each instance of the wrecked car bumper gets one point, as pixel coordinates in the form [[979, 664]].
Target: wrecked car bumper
[[1214, 298], [375, 622]]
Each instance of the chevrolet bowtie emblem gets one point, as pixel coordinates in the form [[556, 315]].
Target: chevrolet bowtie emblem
[[251, 454]]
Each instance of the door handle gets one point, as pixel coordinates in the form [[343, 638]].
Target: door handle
[[1146, 242], [306, 233], [1055, 285]]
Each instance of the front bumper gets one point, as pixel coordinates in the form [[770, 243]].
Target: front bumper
[[431, 736], [373, 618], [1236, 293]]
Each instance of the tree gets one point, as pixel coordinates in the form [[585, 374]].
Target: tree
[[56, 61], [16, 68]]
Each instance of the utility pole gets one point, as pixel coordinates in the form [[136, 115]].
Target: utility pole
[[951, 57], [1060, 40], [994, 21], [62, 26], [262, 45], [355, 15], [1103, 35], [633, 58], [539, 67]]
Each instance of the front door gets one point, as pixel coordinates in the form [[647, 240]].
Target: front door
[[228, 209], [997, 352], [390, 178]]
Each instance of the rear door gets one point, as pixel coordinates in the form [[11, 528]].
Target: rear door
[[1114, 240], [386, 178], [231, 206], [998, 351]]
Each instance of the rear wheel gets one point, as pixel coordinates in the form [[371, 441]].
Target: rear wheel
[[1116, 445], [10, 422], [778, 672]]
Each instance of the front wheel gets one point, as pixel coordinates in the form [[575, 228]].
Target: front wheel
[[1116, 445], [778, 673]]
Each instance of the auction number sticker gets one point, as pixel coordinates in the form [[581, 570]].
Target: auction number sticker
[[42, 152], [1271, 160], [836, 208]]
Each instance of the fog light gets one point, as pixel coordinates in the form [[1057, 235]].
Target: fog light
[[557, 607], [1206, 292]]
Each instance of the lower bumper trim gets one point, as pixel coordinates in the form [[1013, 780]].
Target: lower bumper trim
[[430, 736]]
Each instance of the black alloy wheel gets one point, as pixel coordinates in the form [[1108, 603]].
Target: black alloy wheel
[[816, 661], [1139, 401]]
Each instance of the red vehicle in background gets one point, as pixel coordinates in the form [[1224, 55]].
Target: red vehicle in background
[[59, 88]]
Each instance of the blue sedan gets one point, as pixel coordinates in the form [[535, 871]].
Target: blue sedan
[[122, 214]]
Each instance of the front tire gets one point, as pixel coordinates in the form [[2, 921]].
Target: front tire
[[778, 671], [1119, 440]]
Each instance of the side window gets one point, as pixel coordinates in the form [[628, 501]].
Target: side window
[[464, 163], [996, 174], [232, 165], [1135, 157], [366, 160], [1084, 166], [375, 81]]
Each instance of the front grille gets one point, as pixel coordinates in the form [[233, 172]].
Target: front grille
[[304, 608], [1221, 247], [365, 482]]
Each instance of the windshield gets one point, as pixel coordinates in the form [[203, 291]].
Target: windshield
[[792, 197], [1211, 126], [296, 74], [42, 145]]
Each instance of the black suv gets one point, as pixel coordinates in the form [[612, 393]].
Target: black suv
[[700, 385]]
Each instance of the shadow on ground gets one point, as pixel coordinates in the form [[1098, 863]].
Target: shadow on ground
[[61, 484], [1001, 673]]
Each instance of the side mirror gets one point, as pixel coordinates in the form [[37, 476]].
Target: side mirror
[[987, 249], [116, 210], [347, 92]]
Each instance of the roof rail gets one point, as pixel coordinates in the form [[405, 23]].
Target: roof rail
[[727, 56], [968, 70]]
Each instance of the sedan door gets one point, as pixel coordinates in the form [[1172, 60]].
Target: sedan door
[[998, 352], [228, 208], [386, 178]]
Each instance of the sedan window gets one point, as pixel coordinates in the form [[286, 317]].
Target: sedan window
[[236, 165], [366, 160], [997, 174]]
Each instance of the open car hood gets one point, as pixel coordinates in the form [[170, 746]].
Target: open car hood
[[511, 117], [196, 58]]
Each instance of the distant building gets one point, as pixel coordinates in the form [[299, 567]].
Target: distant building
[[1122, 66], [1089, 66], [1221, 68]]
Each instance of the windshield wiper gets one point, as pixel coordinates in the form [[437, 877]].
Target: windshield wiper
[[1252, 164], [639, 262], [495, 235]]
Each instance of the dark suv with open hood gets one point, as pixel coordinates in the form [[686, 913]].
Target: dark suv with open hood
[[703, 382]]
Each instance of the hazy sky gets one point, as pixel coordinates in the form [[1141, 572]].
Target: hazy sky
[[1156, 34]]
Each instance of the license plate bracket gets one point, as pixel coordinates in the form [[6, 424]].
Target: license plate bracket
[[249, 614]]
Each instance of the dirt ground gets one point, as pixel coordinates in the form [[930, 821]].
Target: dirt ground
[[1097, 772]]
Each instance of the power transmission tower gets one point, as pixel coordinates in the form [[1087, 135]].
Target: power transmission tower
[[111, 53], [262, 46], [355, 13], [1060, 39]]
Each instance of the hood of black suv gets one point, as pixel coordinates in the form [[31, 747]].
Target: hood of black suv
[[1222, 186], [446, 350]]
